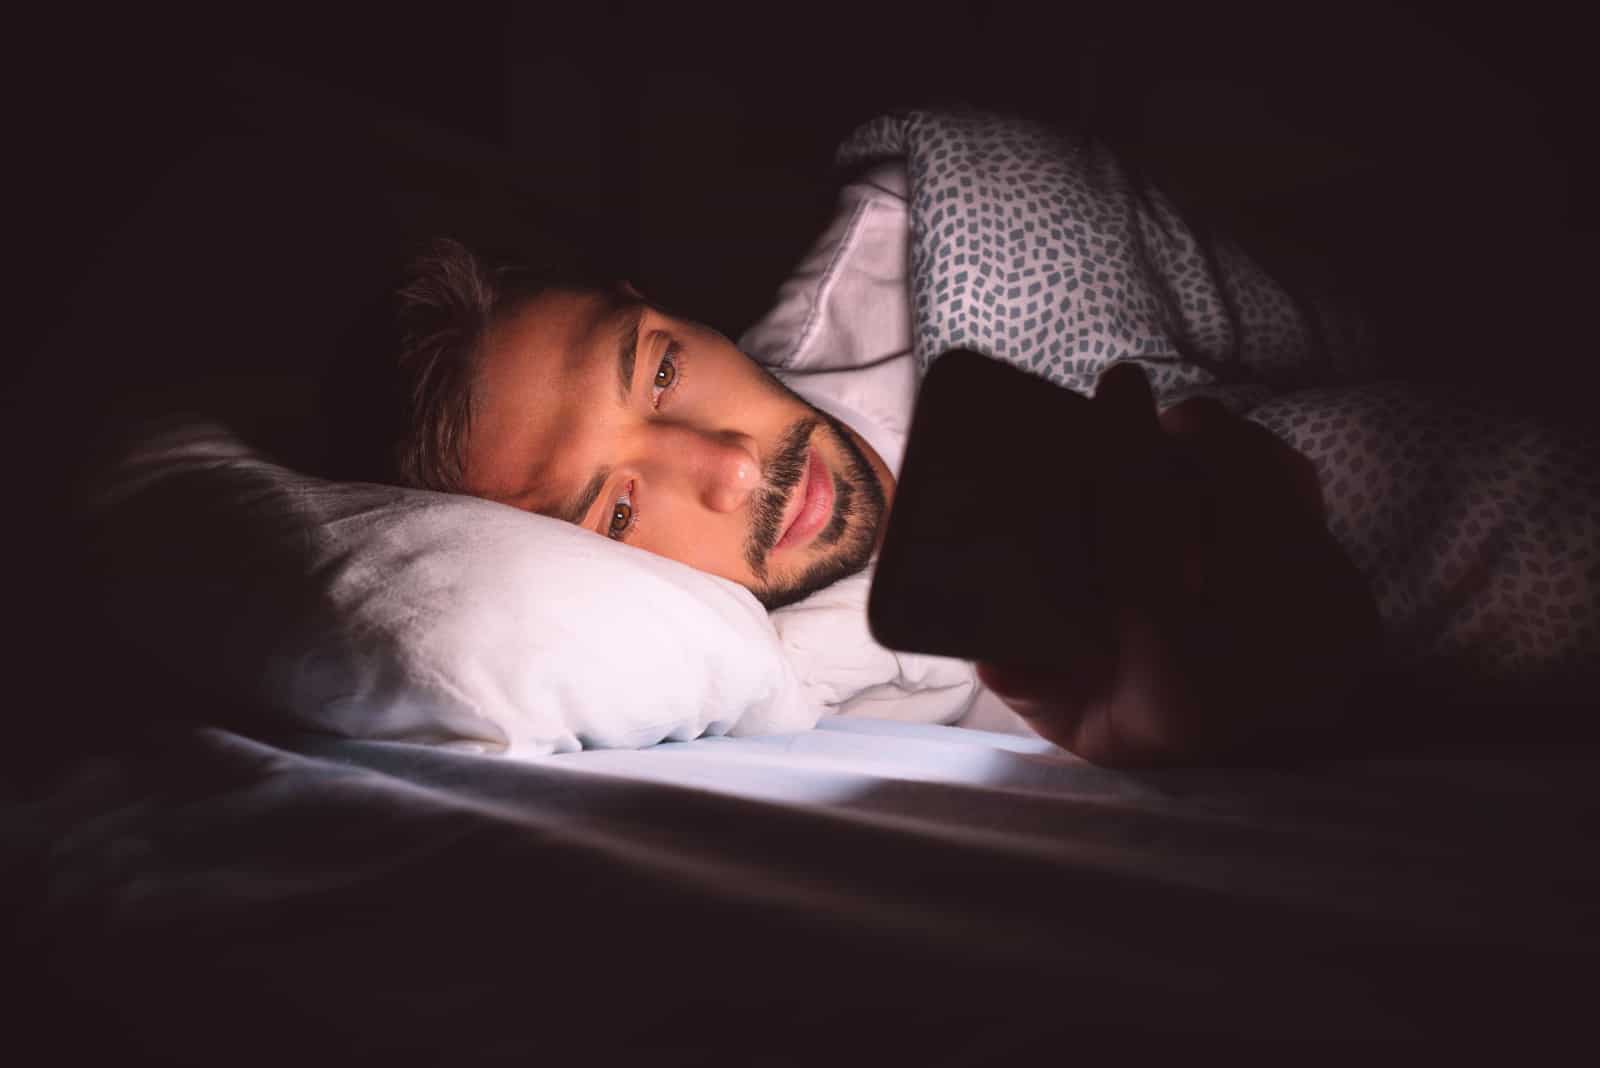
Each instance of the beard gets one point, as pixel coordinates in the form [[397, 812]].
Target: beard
[[846, 543]]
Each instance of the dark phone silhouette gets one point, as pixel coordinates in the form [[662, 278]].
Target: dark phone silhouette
[[989, 553]]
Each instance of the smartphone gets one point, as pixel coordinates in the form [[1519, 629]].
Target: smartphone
[[990, 548]]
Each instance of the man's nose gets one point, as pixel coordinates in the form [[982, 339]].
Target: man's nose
[[721, 467]]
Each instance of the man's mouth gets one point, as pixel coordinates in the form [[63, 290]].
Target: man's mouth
[[813, 503]]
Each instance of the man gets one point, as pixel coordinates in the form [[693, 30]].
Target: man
[[599, 408], [1285, 545], [596, 407]]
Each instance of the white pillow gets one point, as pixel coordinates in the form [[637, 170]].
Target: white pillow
[[380, 612]]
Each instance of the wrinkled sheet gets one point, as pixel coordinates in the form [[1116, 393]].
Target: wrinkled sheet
[[932, 892]]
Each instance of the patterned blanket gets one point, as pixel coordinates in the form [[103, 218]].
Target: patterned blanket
[[1041, 248], [1477, 528]]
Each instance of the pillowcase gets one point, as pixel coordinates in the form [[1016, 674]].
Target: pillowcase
[[840, 335], [379, 612], [848, 302]]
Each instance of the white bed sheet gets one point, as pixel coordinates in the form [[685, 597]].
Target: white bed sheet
[[939, 893]]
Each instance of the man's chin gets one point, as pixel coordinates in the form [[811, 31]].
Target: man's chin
[[818, 570], [847, 542]]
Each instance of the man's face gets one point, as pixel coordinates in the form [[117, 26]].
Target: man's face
[[599, 409]]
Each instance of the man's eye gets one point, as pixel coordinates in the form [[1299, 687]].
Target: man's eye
[[621, 518], [667, 372]]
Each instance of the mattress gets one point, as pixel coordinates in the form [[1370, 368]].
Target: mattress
[[868, 889]]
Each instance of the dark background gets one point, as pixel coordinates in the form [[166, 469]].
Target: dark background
[[1440, 155], [1437, 156], [1436, 150]]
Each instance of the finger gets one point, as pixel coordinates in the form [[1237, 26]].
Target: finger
[[1032, 689], [1196, 415], [1214, 439], [1123, 394], [1128, 717], [1150, 513], [1163, 707], [1231, 445], [1135, 457], [1294, 467]]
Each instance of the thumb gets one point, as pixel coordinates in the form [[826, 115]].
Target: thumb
[[1035, 688]]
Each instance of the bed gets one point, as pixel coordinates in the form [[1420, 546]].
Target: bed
[[202, 870], [862, 891]]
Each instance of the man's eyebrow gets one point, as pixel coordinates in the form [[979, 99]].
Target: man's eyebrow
[[574, 512], [627, 355], [627, 352]]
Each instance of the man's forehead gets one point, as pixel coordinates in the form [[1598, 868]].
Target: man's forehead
[[545, 373], [558, 329]]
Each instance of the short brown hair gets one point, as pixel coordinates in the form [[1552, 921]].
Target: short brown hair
[[448, 301]]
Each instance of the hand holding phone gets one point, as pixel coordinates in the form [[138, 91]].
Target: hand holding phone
[[1174, 595]]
